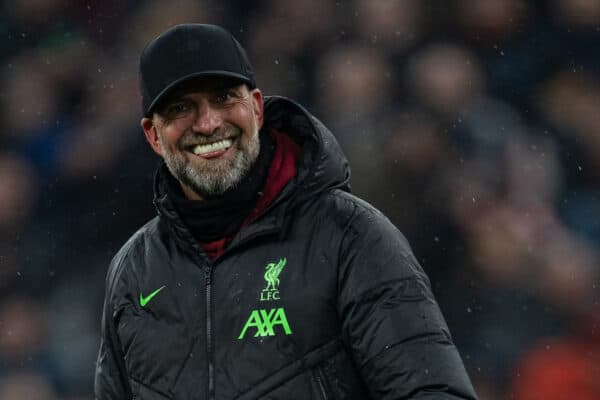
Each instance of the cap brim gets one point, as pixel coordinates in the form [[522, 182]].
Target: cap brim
[[160, 96]]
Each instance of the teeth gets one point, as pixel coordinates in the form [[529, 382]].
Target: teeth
[[208, 148]]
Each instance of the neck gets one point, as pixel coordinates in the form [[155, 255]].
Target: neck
[[213, 218]]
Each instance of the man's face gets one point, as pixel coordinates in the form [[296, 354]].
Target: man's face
[[207, 134]]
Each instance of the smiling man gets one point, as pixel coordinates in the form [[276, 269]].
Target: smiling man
[[261, 276]]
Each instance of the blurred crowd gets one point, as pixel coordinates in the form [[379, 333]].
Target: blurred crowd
[[473, 124]]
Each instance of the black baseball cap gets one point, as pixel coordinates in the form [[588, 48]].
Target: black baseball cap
[[189, 51]]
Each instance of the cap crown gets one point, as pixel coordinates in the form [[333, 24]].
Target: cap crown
[[189, 51]]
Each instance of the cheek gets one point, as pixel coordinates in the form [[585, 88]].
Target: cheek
[[171, 137], [244, 115], [251, 127]]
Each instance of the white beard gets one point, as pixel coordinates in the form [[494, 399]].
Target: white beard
[[222, 175]]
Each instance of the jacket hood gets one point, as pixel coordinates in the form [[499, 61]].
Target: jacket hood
[[322, 164]]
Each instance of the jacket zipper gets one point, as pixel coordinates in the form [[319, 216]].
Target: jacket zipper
[[209, 349], [203, 260]]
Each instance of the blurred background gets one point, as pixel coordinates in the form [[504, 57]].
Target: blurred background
[[473, 124]]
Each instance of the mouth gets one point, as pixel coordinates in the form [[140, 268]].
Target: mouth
[[212, 150]]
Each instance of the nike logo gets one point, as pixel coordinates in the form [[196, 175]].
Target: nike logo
[[145, 300]]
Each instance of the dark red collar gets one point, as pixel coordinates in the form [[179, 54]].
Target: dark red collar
[[282, 170]]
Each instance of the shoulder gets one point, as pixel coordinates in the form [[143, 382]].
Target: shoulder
[[129, 254], [368, 239], [358, 217]]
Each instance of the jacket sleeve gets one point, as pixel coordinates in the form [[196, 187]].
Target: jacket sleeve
[[390, 320], [111, 381]]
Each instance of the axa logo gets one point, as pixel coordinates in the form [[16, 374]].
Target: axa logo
[[264, 323], [271, 291]]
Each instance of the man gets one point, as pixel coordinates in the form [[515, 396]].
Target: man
[[261, 276]]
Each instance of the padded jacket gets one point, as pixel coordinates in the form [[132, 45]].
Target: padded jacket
[[320, 297]]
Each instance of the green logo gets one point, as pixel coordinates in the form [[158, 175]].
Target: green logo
[[271, 291], [145, 300], [265, 322]]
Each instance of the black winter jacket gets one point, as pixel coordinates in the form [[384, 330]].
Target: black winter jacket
[[318, 298]]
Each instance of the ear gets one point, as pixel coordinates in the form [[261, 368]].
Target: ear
[[151, 135], [258, 106]]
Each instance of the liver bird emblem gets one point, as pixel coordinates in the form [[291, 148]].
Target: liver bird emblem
[[272, 274]]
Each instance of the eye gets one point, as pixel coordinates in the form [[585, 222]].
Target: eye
[[224, 97], [177, 109]]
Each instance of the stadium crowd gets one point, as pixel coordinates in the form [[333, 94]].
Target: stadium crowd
[[474, 125]]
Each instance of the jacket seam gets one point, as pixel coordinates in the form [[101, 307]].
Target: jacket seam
[[139, 382], [428, 337], [304, 367], [366, 295]]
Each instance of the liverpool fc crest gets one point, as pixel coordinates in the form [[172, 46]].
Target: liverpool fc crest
[[272, 271]]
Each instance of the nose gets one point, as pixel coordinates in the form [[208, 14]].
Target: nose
[[206, 119]]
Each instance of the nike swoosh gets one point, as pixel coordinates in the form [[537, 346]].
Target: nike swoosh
[[145, 300]]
